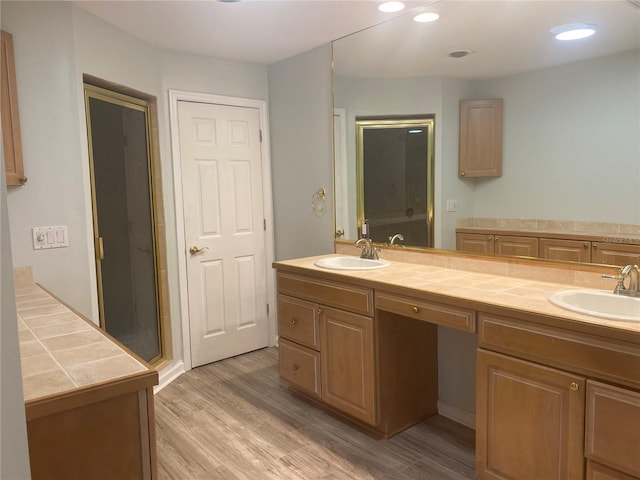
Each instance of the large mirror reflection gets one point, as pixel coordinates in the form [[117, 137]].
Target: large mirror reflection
[[571, 121]]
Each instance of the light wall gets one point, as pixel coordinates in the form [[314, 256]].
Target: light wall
[[14, 457], [301, 152], [571, 149]]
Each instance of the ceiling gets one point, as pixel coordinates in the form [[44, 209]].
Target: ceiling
[[255, 31], [505, 36]]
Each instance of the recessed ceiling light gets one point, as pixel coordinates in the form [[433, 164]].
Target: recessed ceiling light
[[390, 7], [460, 53], [574, 31], [426, 17]]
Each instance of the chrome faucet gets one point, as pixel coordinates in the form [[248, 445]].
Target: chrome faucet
[[397, 236], [368, 251], [630, 271]]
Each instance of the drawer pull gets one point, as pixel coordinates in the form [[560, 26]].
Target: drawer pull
[[293, 321], [416, 310], [294, 367], [319, 311], [574, 386]]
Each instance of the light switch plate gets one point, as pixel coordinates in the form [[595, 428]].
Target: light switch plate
[[50, 237], [452, 205]]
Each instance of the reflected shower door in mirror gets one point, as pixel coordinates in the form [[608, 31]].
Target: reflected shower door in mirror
[[124, 220], [395, 178]]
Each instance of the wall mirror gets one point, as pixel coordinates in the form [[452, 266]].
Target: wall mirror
[[395, 179], [571, 109]]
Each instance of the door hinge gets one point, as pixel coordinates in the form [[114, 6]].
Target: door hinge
[[267, 309], [260, 136], [264, 224]]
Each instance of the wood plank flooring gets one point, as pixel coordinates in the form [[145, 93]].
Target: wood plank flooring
[[235, 419]]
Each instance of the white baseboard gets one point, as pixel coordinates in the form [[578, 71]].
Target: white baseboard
[[458, 415], [168, 374]]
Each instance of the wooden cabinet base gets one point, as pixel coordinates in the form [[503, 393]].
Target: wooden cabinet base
[[109, 438], [406, 378]]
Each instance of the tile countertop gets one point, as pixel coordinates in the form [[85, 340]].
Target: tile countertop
[[60, 351], [480, 288]]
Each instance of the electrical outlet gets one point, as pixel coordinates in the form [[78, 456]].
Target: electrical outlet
[[50, 237], [452, 205]]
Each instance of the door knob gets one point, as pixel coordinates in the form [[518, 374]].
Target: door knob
[[194, 249]]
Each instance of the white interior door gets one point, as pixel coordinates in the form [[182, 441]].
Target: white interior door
[[221, 172]]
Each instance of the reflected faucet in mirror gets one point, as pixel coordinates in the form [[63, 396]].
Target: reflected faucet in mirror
[[397, 236]]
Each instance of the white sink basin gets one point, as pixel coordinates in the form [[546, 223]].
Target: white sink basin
[[350, 263], [598, 304]]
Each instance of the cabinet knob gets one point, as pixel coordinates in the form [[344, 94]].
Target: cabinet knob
[[293, 321], [585, 244], [462, 174], [294, 367], [574, 386], [416, 310], [23, 180], [496, 239], [319, 311], [595, 245]]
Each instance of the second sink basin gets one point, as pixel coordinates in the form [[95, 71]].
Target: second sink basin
[[350, 263], [598, 304]]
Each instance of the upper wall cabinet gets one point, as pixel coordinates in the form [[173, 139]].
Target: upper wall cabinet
[[480, 138], [12, 147]]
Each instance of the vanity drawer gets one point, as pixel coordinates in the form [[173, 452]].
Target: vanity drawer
[[333, 294], [300, 366], [612, 434], [592, 356], [298, 321], [439, 314]]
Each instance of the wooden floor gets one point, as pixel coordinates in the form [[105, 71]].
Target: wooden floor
[[235, 419]]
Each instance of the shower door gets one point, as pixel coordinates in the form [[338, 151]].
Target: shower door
[[124, 220], [395, 178]]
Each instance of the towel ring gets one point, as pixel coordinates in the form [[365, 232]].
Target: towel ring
[[319, 202]]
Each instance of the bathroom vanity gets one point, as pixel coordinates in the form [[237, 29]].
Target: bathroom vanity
[[557, 392], [88, 400]]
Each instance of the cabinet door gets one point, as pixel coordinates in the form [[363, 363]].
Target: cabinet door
[[566, 250], [475, 243], [530, 420], [346, 346], [615, 254], [613, 427], [11, 142], [480, 153], [516, 246]]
